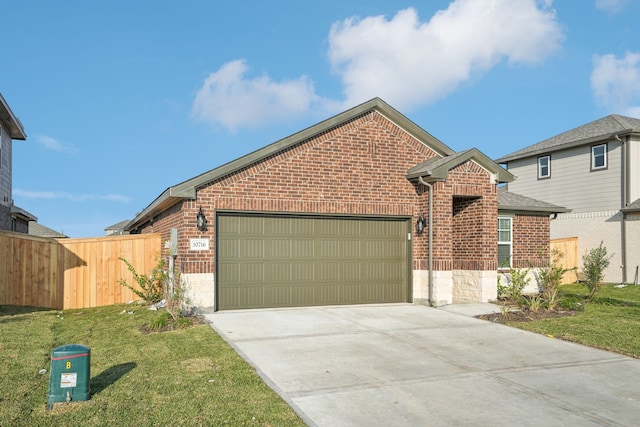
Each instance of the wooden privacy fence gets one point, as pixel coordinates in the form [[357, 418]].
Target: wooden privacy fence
[[72, 273], [569, 249]]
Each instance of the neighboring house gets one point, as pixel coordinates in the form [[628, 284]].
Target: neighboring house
[[365, 207], [40, 230], [12, 218], [20, 220], [118, 228], [594, 170]]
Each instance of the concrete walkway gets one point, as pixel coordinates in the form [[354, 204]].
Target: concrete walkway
[[409, 365]]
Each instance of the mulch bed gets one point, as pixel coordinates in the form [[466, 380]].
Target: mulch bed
[[526, 316]]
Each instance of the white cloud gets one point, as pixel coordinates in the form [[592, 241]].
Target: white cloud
[[408, 62], [402, 60], [229, 99], [61, 195], [616, 82], [611, 6], [53, 144]]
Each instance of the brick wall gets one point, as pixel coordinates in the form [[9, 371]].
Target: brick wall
[[531, 234], [464, 218], [357, 168]]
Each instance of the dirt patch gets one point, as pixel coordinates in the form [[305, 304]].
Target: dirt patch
[[526, 315]]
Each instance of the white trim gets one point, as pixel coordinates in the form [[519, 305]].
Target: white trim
[[593, 157], [548, 166], [510, 242]]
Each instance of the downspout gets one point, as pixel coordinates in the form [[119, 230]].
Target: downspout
[[430, 251], [623, 225]]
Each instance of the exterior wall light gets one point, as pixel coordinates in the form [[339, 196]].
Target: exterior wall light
[[201, 221], [421, 224]]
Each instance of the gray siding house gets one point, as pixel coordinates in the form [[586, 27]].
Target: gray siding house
[[593, 170], [12, 218]]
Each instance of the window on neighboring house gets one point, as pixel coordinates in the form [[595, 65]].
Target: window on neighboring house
[[544, 167], [599, 157], [504, 242]]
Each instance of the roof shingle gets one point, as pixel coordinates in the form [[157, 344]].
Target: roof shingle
[[597, 130]]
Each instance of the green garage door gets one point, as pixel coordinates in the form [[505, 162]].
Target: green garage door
[[289, 261]]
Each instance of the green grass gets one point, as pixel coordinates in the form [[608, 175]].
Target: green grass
[[186, 377], [610, 322]]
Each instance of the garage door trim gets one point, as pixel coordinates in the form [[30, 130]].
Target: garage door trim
[[406, 263]]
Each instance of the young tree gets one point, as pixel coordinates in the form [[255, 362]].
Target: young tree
[[594, 263]]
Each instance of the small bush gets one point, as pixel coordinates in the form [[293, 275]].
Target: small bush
[[534, 302], [516, 280], [549, 277], [595, 262], [152, 288]]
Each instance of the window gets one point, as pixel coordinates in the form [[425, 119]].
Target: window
[[599, 157], [504, 242], [544, 167]]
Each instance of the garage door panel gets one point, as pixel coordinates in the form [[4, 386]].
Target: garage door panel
[[350, 271], [324, 271], [251, 272], [251, 248], [302, 248], [302, 295], [280, 248], [281, 261], [279, 272], [327, 294], [302, 272]]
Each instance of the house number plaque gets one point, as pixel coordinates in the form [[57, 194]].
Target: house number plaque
[[199, 244]]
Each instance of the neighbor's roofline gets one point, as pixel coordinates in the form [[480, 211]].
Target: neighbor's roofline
[[187, 189], [15, 125], [572, 144]]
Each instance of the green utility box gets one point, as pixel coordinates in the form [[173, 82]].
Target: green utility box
[[70, 374]]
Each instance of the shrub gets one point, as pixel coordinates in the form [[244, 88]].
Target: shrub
[[517, 280], [594, 263], [549, 277], [534, 302], [152, 288]]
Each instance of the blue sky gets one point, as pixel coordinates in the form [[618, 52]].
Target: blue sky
[[122, 99]]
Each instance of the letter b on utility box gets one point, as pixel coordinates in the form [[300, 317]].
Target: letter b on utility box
[[70, 374]]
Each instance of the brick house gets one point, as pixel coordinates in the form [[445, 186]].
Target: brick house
[[365, 207]]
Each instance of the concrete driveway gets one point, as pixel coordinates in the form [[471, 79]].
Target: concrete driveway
[[409, 365]]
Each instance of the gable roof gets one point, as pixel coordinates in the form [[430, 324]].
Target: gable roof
[[598, 130], [438, 168], [515, 202], [187, 189], [10, 121]]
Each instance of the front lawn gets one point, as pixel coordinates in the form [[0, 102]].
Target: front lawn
[[610, 322], [185, 377]]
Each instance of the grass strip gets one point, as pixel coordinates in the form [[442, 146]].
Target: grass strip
[[610, 322], [186, 377]]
